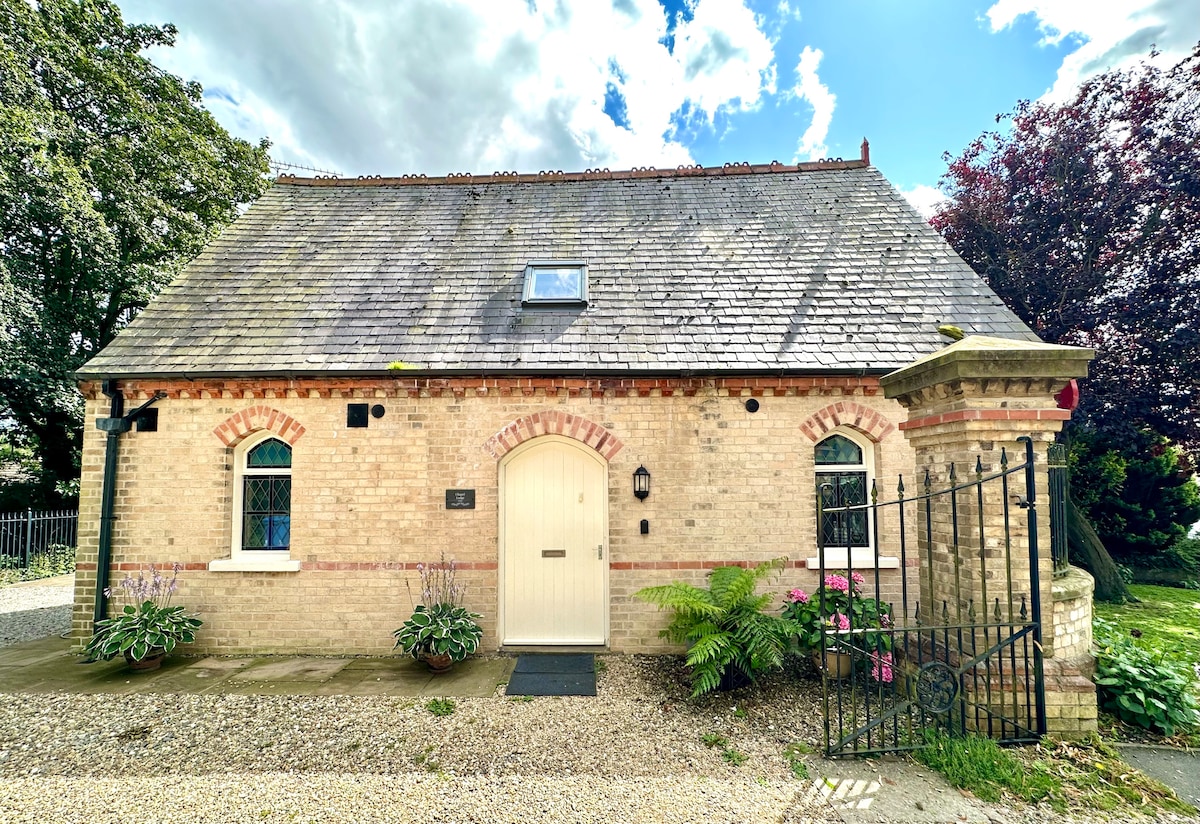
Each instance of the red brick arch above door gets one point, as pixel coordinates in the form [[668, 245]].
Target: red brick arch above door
[[846, 413], [554, 422], [234, 429]]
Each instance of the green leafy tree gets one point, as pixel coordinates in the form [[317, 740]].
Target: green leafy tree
[[112, 176], [1139, 495]]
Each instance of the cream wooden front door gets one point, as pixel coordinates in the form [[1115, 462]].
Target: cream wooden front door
[[553, 544]]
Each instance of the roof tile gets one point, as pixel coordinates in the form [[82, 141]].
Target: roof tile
[[819, 268]]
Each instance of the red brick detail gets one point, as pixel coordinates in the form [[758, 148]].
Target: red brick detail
[[465, 178], [988, 415], [554, 422], [321, 566], [379, 566], [409, 386], [622, 566], [163, 567], [846, 413], [234, 429], [411, 566]]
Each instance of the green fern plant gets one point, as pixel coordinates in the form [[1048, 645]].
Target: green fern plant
[[725, 626]]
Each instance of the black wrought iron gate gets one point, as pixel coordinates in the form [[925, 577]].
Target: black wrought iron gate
[[958, 646]]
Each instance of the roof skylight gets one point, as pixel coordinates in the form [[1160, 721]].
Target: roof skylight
[[555, 283]]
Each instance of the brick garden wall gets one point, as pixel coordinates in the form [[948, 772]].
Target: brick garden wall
[[368, 504]]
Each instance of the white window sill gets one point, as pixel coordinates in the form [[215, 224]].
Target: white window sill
[[859, 559], [263, 565]]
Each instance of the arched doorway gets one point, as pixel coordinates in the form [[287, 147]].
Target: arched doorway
[[553, 544]]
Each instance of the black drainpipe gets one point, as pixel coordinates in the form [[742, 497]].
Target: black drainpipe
[[116, 423]]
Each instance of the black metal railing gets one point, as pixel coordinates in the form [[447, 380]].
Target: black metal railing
[[1060, 490], [960, 648], [25, 535]]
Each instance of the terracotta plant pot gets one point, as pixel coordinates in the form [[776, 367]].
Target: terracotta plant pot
[[437, 663], [833, 664], [151, 662]]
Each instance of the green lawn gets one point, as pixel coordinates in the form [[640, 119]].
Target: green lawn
[[1168, 618]]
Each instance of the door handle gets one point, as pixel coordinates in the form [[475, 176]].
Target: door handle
[[600, 551]]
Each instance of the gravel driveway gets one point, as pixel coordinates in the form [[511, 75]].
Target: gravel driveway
[[632, 754], [635, 753], [35, 610]]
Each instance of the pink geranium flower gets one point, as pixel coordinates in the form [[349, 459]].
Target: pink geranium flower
[[857, 578], [839, 621]]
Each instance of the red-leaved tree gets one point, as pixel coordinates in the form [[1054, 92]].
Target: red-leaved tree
[[1085, 219]]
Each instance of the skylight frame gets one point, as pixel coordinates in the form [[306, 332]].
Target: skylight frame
[[579, 297]]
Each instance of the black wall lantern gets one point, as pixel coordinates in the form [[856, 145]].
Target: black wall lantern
[[641, 483]]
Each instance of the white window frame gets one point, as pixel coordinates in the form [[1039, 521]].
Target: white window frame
[[243, 560], [858, 557], [528, 296]]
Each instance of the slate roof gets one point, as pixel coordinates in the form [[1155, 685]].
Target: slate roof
[[818, 268]]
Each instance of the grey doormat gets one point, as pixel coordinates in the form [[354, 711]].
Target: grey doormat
[[573, 674]]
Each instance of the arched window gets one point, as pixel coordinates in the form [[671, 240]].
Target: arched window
[[266, 497], [843, 479], [261, 512]]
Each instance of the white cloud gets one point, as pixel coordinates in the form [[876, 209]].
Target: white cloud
[[1111, 34], [810, 88], [724, 57], [433, 86], [925, 199]]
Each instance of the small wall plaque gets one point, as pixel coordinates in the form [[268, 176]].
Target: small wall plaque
[[460, 499]]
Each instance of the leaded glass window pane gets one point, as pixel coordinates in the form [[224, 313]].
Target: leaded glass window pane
[[267, 509], [270, 454], [838, 449], [842, 489]]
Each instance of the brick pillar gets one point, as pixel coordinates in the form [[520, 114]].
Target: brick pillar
[[967, 403]]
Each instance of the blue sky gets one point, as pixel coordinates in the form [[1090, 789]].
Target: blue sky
[[436, 86]]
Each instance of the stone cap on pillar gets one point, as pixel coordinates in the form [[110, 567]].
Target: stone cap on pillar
[[979, 357]]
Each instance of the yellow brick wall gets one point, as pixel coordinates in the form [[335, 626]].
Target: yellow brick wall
[[368, 504], [1072, 633]]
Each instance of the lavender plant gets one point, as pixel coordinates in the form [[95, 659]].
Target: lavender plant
[[145, 623]]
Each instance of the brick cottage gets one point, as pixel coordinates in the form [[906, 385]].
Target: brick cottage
[[358, 376]]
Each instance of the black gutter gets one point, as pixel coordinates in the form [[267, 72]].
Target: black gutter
[[113, 426]]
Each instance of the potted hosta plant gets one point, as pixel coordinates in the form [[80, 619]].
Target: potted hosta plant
[[440, 631], [145, 626], [730, 640], [838, 626]]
